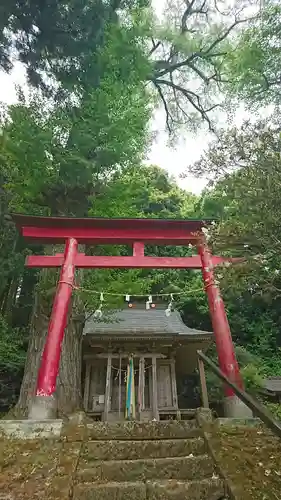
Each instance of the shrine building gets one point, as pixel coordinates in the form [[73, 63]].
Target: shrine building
[[133, 359]]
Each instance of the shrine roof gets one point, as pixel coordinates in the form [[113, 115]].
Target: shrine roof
[[141, 322], [273, 384]]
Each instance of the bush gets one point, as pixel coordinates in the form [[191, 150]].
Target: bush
[[275, 409], [252, 376]]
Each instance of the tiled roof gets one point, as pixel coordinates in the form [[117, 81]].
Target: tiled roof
[[140, 322], [273, 384]]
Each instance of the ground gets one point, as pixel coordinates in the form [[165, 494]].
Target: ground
[[54, 469], [251, 460]]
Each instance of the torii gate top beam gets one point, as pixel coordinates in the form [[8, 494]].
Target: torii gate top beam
[[110, 231]]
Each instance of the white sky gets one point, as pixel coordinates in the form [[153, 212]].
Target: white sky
[[175, 160]]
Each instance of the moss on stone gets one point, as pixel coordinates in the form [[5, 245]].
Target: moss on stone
[[111, 491], [207, 489], [146, 430], [59, 468], [251, 460], [29, 470], [132, 450], [184, 468], [71, 432]]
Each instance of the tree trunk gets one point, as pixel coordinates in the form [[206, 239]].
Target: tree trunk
[[23, 308], [68, 391]]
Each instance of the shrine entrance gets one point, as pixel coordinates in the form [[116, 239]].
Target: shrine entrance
[[111, 405], [136, 233]]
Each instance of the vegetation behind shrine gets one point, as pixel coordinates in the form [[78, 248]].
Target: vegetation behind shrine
[[76, 147]]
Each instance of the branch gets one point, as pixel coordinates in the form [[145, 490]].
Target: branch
[[154, 46], [115, 4], [224, 35], [188, 94], [173, 67], [190, 11], [199, 73], [179, 107], [169, 68], [204, 65], [168, 114]]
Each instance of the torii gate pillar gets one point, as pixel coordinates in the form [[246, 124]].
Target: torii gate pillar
[[137, 233], [44, 405], [233, 406]]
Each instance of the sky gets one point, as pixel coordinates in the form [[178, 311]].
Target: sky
[[175, 159]]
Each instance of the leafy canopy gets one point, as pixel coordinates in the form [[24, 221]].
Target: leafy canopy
[[253, 72]]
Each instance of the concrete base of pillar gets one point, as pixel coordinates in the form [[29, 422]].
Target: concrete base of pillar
[[235, 408], [30, 429], [43, 408]]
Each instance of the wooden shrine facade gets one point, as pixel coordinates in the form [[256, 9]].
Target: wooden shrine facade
[[155, 386], [161, 348]]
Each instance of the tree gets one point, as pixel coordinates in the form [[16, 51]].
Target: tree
[[52, 37], [55, 160], [254, 67], [190, 53], [187, 54], [245, 199]]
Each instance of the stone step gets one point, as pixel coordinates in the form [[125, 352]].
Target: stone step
[[184, 468], [175, 429], [131, 450], [110, 491], [207, 489]]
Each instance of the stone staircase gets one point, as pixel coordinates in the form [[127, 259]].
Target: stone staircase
[[146, 461], [196, 459]]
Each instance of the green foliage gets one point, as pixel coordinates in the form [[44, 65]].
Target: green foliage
[[247, 195], [139, 191], [57, 39], [55, 158], [252, 378], [191, 53], [187, 54], [254, 67], [253, 372], [275, 409], [245, 200]]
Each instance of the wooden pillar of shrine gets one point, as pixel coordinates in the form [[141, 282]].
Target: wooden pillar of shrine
[[107, 399], [141, 387], [155, 413]]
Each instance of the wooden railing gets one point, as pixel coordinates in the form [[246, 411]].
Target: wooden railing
[[257, 409]]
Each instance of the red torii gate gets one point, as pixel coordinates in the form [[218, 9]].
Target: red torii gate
[[136, 233]]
